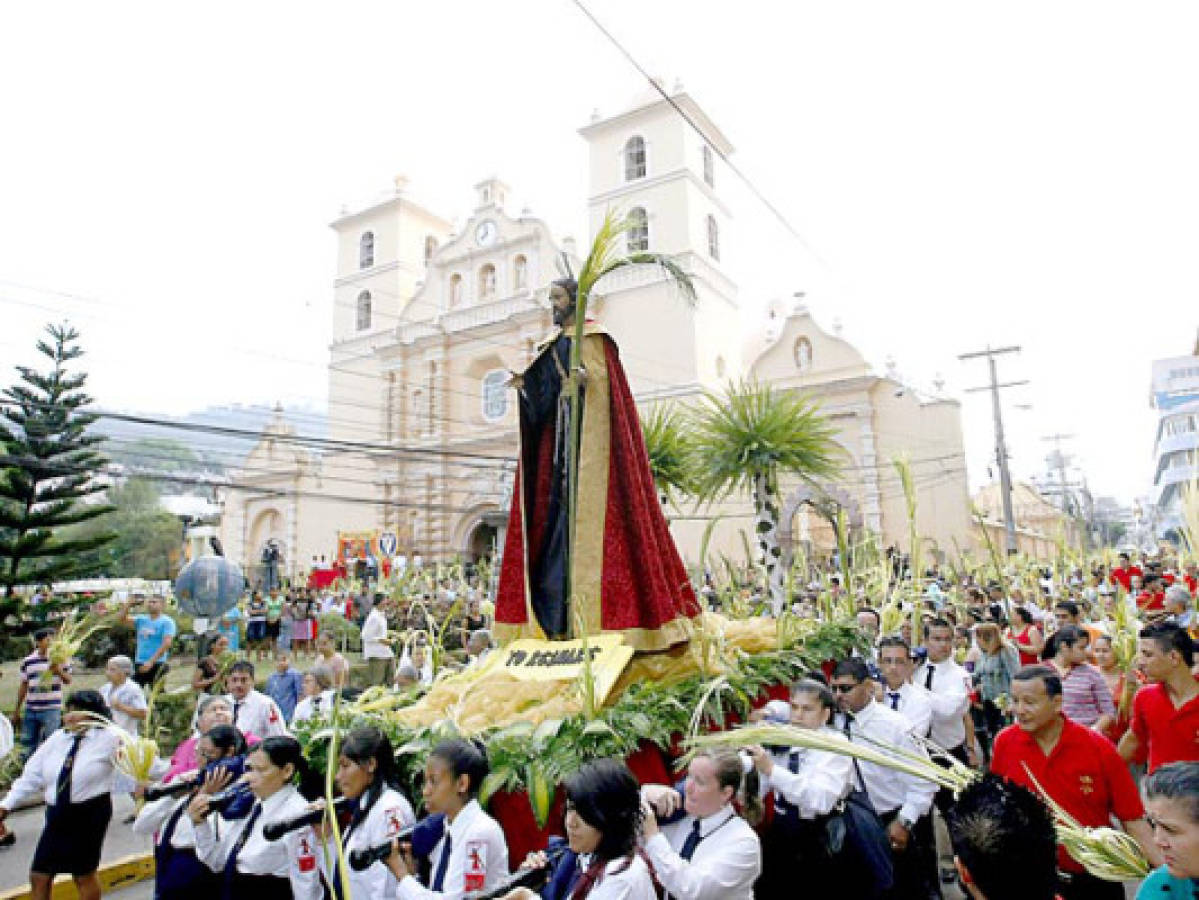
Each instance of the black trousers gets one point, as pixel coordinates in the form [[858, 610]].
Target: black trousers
[[915, 879]]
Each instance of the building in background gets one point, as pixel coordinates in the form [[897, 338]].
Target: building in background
[[431, 319], [1175, 396], [1040, 524]]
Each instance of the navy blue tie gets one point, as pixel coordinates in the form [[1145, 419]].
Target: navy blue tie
[[692, 842], [231, 861], [62, 790], [442, 864]]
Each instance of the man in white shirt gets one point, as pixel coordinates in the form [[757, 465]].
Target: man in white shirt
[[253, 712], [711, 853], [900, 800], [947, 684], [912, 701], [375, 648]]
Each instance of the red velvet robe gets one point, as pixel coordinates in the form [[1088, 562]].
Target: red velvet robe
[[627, 575]]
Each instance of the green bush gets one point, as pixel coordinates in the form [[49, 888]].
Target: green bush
[[346, 635], [173, 713]]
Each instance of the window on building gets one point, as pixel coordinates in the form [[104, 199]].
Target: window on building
[[364, 311], [638, 230], [520, 273], [495, 395], [709, 166], [366, 250], [713, 238], [634, 158], [430, 248], [487, 282], [455, 289]]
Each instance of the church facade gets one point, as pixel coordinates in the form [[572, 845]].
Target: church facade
[[431, 320]]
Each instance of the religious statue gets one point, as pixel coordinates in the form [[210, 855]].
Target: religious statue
[[624, 574]]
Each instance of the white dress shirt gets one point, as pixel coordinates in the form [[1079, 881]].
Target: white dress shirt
[[950, 698], [821, 781], [634, 883], [91, 776], [387, 817], [726, 862], [153, 818], [476, 841], [889, 789], [293, 856], [258, 714], [320, 705], [914, 703], [374, 630]]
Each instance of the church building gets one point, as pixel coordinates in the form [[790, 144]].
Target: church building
[[430, 321]]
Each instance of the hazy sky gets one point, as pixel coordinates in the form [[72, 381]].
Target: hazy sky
[[965, 173]]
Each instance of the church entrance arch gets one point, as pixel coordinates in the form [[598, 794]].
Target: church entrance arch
[[820, 498], [264, 549]]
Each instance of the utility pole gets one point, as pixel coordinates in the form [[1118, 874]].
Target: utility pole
[[1058, 461], [1005, 477]]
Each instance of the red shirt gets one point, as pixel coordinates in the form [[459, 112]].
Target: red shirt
[[1083, 773], [1124, 576], [1150, 602], [1192, 583], [1171, 733]]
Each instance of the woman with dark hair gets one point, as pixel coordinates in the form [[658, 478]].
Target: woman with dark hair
[[471, 854], [246, 863], [1172, 809], [1026, 636], [367, 773], [73, 772], [178, 872], [808, 788], [603, 823]]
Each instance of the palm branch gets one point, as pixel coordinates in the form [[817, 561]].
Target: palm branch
[[668, 448]]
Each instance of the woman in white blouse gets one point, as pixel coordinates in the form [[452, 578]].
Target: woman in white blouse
[[472, 854], [246, 863], [603, 828], [72, 771], [178, 873], [809, 787], [367, 774]]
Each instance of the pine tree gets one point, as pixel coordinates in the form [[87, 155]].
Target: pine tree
[[48, 464]]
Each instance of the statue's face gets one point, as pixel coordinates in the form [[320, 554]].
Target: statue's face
[[562, 304]]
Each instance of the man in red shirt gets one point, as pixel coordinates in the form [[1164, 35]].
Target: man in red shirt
[[1153, 598], [1123, 573], [1077, 767], [1165, 713]]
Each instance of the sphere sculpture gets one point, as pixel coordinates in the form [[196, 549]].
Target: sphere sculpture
[[209, 586]]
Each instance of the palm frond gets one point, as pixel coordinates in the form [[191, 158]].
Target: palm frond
[[604, 258], [752, 428], [668, 448]]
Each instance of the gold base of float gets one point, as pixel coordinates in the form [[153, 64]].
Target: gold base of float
[[114, 876]]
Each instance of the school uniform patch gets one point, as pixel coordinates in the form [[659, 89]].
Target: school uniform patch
[[475, 869]]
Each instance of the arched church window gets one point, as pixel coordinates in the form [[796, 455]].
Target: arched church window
[[520, 273], [495, 395], [366, 250], [364, 311], [455, 289], [638, 230], [713, 238], [709, 166], [634, 158], [430, 247], [487, 281]]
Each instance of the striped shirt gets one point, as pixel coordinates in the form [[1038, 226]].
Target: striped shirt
[[43, 693], [1086, 696]]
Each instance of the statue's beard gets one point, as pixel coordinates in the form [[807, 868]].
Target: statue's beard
[[563, 314]]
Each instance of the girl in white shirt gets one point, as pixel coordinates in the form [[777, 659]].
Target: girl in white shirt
[[246, 863], [471, 854], [367, 773]]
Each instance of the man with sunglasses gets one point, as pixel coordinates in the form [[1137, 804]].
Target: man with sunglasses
[[901, 800]]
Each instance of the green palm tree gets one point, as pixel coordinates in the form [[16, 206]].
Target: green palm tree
[[668, 446], [747, 437]]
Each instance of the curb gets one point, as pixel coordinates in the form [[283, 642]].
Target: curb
[[113, 876]]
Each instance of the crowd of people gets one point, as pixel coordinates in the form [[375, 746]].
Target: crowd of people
[[1030, 682]]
